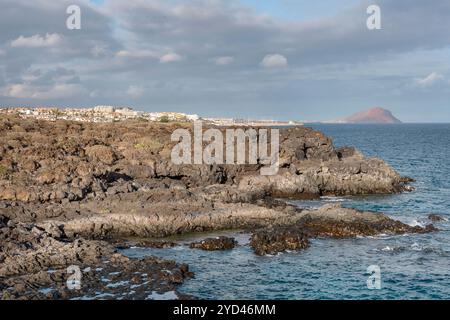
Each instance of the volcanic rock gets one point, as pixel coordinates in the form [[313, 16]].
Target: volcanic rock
[[436, 217], [214, 244], [329, 221], [278, 239]]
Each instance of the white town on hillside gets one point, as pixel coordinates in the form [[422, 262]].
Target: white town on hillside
[[95, 114], [113, 113]]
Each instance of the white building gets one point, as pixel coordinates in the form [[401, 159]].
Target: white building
[[104, 109], [126, 112], [192, 117]]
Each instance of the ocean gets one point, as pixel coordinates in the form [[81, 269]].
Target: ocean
[[411, 266]]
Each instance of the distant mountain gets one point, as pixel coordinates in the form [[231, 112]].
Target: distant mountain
[[375, 115]]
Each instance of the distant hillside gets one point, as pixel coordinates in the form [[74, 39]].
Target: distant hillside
[[375, 115]]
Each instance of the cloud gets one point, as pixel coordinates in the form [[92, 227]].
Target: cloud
[[138, 54], [59, 75], [25, 91], [44, 84], [170, 57], [124, 43], [17, 91], [99, 51], [135, 91], [36, 41], [274, 61], [95, 94], [223, 61], [430, 80]]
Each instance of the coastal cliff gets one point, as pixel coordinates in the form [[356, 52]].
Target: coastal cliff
[[71, 192], [47, 162]]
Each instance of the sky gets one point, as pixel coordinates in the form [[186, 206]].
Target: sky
[[259, 59]]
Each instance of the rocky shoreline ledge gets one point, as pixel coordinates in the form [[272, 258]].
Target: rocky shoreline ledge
[[71, 193]]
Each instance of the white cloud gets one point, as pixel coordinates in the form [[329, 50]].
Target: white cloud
[[274, 61], [223, 61], [430, 80], [124, 54], [135, 91], [98, 51], [131, 38], [25, 91], [170, 57], [95, 94], [17, 91], [137, 54], [36, 41]]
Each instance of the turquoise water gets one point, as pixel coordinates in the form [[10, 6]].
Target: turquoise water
[[412, 266]]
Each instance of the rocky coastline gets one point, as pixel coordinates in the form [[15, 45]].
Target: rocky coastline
[[73, 193]]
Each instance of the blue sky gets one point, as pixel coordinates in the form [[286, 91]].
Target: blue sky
[[299, 9], [285, 59]]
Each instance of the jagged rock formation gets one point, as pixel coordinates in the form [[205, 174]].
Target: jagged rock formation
[[70, 191], [278, 239], [331, 221], [34, 261], [66, 162], [214, 244]]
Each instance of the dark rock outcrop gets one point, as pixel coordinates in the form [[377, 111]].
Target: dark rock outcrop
[[34, 262], [337, 222], [331, 221], [278, 239], [214, 244], [157, 244], [66, 161], [436, 217]]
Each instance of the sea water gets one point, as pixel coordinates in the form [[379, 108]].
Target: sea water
[[411, 266]]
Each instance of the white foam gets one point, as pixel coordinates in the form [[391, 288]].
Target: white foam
[[416, 223], [415, 246], [97, 296], [46, 290], [332, 199], [134, 286], [171, 295], [117, 284]]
